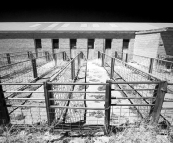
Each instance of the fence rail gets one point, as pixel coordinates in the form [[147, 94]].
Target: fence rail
[[161, 67], [62, 104], [123, 72], [12, 58], [115, 111]]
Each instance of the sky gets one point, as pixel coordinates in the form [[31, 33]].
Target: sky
[[85, 11]]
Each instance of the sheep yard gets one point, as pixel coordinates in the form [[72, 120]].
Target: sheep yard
[[80, 94]]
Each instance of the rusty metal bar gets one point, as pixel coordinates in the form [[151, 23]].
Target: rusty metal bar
[[168, 100], [132, 97], [77, 99], [4, 117], [73, 91], [25, 98], [23, 91], [131, 89], [112, 68], [136, 82], [167, 108], [38, 106], [84, 108], [162, 89], [54, 83], [107, 106], [132, 104], [21, 83]]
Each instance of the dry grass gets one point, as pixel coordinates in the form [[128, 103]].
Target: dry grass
[[144, 133], [141, 133]]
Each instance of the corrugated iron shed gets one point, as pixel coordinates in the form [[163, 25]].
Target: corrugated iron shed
[[79, 26], [74, 29]]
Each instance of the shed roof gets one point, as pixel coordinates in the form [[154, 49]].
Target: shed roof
[[33, 30], [80, 26]]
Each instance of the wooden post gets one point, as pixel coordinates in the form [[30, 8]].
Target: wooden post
[[122, 55], [48, 95], [126, 59], [116, 54], [79, 62], [63, 56], [34, 67], [98, 54], [4, 115], [112, 68], [8, 58], [160, 94], [28, 52], [55, 59], [46, 55], [151, 65], [72, 69], [107, 106], [103, 60]]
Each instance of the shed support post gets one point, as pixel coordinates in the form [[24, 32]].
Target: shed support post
[[4, 115], [50, 111], [160, 94], [107, 106]]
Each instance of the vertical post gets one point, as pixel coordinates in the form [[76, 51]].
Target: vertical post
[[4, 115], [34, 67], [8, 58], [122, 55], [82, 55], [98, 54], [63, 56], [126, 59], [112, 68], [116, 54], [31, 55], [73, 69], [160, 94], [46, 55], [28, 52], [103, 60], [36, 50], [107, 106], [79, 62], [151, 65], [55, 59], [50, 111]]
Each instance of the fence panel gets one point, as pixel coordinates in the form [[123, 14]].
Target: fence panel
[[67, 75]]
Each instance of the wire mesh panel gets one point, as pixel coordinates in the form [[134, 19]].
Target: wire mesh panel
[[11, 58], [16, 73], [141, 61], [129, 104], [162, 68], [26, 107], [68, 74], [167, 109], [124, 72], [27, 71]]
